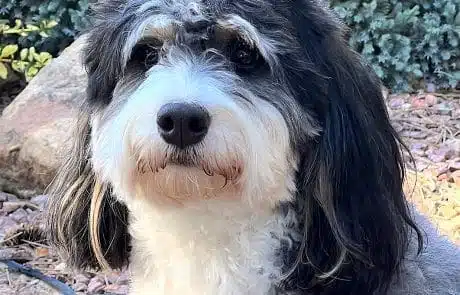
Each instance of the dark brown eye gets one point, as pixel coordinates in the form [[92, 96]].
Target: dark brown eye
[[245, 57], [145, 55]]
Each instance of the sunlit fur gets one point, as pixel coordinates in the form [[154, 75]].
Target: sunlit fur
[[296, 188]]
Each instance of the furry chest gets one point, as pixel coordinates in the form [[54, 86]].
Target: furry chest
[[207, 254]]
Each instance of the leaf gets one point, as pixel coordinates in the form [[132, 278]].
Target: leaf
[[51, 24], [24, 53], [36, 56], [457, 19], [32, 27], [445, 55], [44, 34], [44, 57], [9, 50], [418, 73], [4, 27], [18, 24], [19, 66], [31, 72], [3, 71], [32, 53]]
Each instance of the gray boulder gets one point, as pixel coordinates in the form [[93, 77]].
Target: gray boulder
[[36, 126]]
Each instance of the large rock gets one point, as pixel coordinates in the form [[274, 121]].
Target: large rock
[[35, 127]]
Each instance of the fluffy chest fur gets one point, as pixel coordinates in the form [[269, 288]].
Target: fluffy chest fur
[[219, 248]]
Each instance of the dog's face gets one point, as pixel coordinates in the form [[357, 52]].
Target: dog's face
[[200, 107]]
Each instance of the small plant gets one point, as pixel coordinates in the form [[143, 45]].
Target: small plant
[[70, 16], [26, 61], [406, 41]]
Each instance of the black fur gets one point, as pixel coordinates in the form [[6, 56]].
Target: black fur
[[68, 210], [103, 56], [350, 180]]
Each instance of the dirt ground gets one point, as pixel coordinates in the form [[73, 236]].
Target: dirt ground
[[429, 124]]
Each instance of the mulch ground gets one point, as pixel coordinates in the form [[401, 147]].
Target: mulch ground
[[430, 126], [428, 123]]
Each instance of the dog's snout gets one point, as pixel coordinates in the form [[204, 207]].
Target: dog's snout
[[183, 124]]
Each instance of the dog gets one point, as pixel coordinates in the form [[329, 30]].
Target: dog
[[239, 147]]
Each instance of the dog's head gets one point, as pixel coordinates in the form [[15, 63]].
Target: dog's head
[[258, 102]]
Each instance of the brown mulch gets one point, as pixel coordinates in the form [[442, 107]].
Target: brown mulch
[[430, 126], [428, 123]]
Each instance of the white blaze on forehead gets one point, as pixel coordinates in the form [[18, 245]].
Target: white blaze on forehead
[[162, 25], [181, 8]]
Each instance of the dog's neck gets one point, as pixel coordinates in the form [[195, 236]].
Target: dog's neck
[[209, 247]]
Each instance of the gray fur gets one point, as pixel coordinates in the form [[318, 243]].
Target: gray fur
[[435, 271]]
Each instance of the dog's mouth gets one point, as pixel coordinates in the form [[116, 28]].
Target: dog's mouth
[[230, 168], [185, 158]]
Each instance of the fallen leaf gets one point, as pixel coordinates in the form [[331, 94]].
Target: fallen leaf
[[41, 252], [447, 211]]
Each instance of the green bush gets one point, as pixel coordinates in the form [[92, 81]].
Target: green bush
[[406, 41], [51, 27], [70, 16], [26, 61]]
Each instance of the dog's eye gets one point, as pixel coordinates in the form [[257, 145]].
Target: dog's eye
[[245, 57], [145, 55]]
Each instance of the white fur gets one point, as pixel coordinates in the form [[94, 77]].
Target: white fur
[[209, 247], [183, 8], [251, 137], [162, 26]]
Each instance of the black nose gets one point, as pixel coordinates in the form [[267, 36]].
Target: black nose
[[183, 124]]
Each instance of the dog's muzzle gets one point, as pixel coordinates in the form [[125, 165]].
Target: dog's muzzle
[[183, 124]]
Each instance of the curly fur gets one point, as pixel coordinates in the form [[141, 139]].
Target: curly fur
[[296, 188]]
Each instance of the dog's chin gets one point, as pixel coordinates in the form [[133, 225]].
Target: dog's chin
[[181, 179]]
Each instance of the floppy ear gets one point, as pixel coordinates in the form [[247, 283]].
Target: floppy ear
[[85, 223], [103, 54], [103, 64], [356, 221]]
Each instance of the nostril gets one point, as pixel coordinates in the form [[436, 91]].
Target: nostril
[[198, 124], [166, 123]]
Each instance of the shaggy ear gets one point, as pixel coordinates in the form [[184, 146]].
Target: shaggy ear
[[104, 55], [103, 65], [85, 223], [356, 220]]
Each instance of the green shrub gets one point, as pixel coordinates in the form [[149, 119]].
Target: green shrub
[[407, 40], [58, 22], [70, 16], [25, 61]]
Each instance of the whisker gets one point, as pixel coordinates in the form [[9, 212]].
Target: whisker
[[226, 182]]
